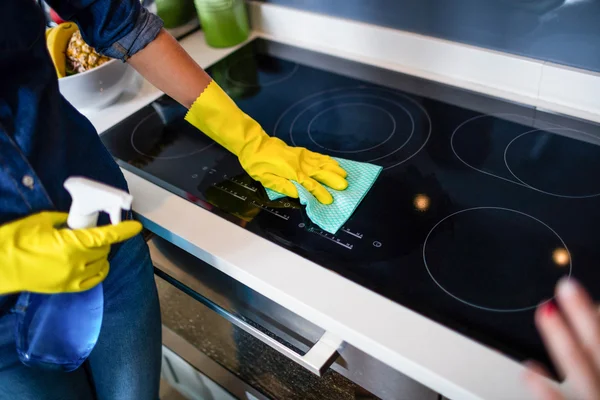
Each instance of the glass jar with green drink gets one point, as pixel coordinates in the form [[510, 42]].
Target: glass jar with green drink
[[224, 22]]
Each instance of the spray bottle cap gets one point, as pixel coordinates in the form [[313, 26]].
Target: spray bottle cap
[[90, 197]]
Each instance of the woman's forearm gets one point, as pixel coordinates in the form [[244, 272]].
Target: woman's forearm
[[166, 65]]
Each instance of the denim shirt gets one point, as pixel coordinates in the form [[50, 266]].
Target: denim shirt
[[43, 139]]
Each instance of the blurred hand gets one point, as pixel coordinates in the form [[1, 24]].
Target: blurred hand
[[572, 337]]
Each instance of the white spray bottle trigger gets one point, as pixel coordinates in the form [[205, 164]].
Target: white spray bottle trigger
[[90, 197]]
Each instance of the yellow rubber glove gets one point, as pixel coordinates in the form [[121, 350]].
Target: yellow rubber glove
[[36, 255], [268, 160]]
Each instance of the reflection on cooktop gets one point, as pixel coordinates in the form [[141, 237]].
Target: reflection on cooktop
[[154, 139], [257, 70], [472, 222]]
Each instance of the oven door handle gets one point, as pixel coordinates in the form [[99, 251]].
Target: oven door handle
[[317, 360]]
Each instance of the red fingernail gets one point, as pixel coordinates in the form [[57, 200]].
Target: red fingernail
[[548, 309]]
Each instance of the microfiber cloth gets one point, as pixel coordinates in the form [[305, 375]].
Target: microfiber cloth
[[330, 218]]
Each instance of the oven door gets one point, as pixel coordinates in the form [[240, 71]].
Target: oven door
[[261, 343]]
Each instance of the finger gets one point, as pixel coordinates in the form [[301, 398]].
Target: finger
[[328, 163], [582, 315], [336, 169], [312, 155], [334, 181], [568, 356], [95, 258], [279, 184], [56, 218], [89, 256], [537, 368], [317, 190], [541, 388], [325, 159], [109, 234], [101, 268]]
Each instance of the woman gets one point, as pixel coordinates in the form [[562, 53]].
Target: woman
[[44, 140], [572, 337]]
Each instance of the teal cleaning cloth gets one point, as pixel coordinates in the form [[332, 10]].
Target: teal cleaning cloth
[[330, 218]]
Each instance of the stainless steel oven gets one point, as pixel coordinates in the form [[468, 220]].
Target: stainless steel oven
[[255, 348]]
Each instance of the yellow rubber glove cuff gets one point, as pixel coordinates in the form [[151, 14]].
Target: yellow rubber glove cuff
[[36, 255], [267, 159]]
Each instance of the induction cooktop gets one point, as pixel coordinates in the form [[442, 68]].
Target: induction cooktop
[[481, 207]]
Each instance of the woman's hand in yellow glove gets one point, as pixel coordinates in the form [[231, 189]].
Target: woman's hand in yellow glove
[[267, 159], [37, 255], [275, 164]]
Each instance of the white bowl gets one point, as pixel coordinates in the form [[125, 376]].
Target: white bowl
[[97, 87]]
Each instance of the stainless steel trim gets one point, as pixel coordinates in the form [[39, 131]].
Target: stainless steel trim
[[318, 358]]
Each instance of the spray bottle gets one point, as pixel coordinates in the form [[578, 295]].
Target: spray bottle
[[59, 331]]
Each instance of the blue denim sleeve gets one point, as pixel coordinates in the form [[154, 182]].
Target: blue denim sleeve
[[116, 28]]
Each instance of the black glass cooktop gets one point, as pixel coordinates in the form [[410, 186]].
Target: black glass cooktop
[[482, 205]]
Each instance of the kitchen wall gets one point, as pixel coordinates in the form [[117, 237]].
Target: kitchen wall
[[561, 31]]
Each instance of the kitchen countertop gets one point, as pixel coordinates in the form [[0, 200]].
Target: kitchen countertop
[[438, 357]]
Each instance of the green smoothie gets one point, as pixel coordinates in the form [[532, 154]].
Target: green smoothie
[[175, 13], [224, 22]]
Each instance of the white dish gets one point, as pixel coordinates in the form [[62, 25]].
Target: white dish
[[98, 87]]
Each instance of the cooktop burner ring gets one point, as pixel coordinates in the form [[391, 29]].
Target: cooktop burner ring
[[391, 135], [362, 91], [249, 85], [517, 180], [360, 151], [174, 157], [561, 256], [466, 163], [522, 182]]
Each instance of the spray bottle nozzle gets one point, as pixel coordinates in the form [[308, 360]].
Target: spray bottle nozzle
[[90, 197]]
